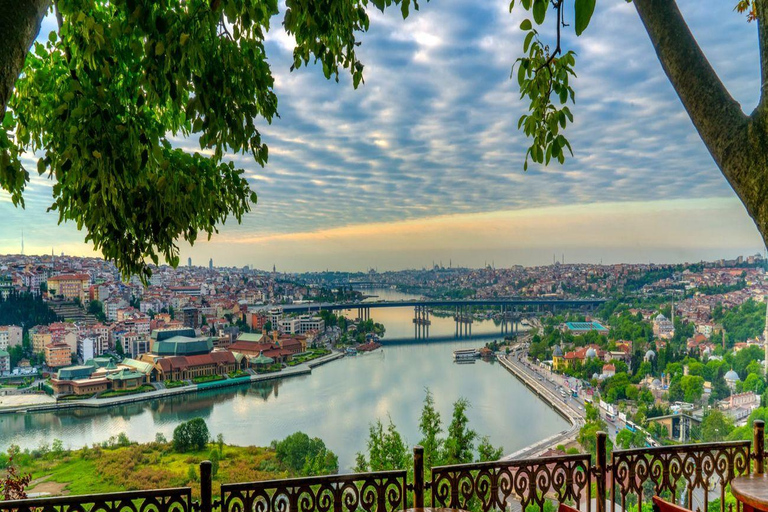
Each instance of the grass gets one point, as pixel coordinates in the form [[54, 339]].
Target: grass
[[208, 378], [75, 397], [237, 374], [123, 392], [147, 466], [170, 384]]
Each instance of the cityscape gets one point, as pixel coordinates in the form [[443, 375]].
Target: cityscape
[[383, 256]]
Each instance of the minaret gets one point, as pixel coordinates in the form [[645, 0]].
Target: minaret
[[765, 339]]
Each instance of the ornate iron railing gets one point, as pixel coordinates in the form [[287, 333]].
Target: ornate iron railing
[[688, 473], [530, 481], [370, 492], [162, 500], [678, 471]]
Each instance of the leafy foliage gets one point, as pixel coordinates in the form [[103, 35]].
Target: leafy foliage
[[101, 99], [306, 456], [543, 75], [191, 435], [13, 485], [25, 309]]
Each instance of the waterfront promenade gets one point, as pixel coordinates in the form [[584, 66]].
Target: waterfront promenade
[[97, 403], [571, 409]]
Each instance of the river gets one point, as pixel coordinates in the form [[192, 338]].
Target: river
[[337, 402]]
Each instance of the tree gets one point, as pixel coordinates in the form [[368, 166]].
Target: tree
[[96, 308], [734, 139], [459, 445], [430, 428], [306, 456], [191, 435], [487, 452], [386, 449], [715, 426], [118, 78], [214, 458], [693, 388]]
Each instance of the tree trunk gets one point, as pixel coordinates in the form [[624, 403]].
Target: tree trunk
[[19, 25], [738, 143]]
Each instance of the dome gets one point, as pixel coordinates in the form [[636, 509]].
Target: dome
[[650, 355], [557, 351], [660, 317], [595, 376], [591, 352], [732, 376], [656, 383]]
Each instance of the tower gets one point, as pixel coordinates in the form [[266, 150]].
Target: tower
[[210, 264], [189, 261]]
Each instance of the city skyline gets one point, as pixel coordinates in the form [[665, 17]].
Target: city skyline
[[425, 159]]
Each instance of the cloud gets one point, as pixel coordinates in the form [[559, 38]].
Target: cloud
[[433, 131]]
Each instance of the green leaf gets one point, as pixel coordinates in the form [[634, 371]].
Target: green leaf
[[183, 39], [539, 11], [159, 48], [526, 24], [584, 10]]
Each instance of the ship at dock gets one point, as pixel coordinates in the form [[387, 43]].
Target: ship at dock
[[467, 355]]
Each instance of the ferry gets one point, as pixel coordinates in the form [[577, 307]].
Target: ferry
[[466, 355], [351, 351]]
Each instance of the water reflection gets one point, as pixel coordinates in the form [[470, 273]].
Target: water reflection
[[337, 402]]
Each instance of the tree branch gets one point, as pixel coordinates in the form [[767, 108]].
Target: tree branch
[[19, 26], [761, 9], [715, 114]]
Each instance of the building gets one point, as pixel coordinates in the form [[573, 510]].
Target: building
[[69, 286], [10, 336], [585, 327], [86, 349], [183, 358], [301, 325], [558, 359], [58, 355], [41, 337], [732, 379], [663, 327], [5, 361], [678, 426], [191, 317]]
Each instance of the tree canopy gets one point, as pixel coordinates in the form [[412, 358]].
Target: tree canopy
[[100, 99], [736, 140]]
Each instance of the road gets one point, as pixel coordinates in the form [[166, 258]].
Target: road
[[549, 386]]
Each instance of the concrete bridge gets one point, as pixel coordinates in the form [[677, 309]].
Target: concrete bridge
[[511, 310]]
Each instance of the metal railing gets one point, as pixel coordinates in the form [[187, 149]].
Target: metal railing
[[687, 474]]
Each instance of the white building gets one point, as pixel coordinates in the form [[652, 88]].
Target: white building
[[301, 325], [86, 349], [663, 327]]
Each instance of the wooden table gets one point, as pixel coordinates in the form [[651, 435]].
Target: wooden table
[[751, 491]]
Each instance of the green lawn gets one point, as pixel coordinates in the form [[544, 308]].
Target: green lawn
[[145, 466], [208, 378], [123, 392]]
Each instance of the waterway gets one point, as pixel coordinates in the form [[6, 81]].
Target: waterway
[[337, 402]]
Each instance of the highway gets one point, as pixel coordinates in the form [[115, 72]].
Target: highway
[[331, 306], [547, 385]]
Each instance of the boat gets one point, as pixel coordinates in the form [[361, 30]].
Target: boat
[[465, 355], [351, 351]]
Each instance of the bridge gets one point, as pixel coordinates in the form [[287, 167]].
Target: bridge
[[511, 310]]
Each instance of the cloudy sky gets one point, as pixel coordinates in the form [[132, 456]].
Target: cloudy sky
[[424, 161]]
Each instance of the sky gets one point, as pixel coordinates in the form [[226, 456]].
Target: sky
[[424, 162]]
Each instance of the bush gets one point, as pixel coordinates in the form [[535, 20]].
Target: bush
[[214, 458], [191, 435]]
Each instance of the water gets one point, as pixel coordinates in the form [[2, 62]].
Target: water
[[337, 403]]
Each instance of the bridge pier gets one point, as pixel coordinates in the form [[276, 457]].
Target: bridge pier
[[421, 321]]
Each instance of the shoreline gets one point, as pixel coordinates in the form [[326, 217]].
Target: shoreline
[[98, 403], [553, 401]]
